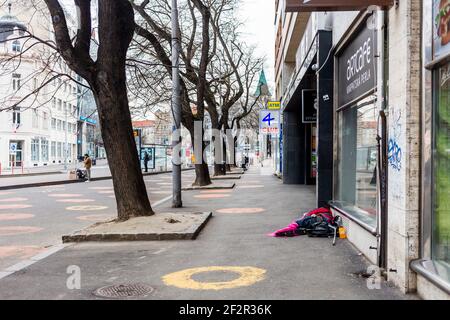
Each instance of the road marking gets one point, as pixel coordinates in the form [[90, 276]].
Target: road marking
[[14, 206], [15, 216], [215, 191], [183, 279], [106, 192], [64, 195], [75, 200], [15, 230], [250, 187], [211, 196], [26, 263], [95, 217], [23, 252], [13, 199], [241, 210], [86, 208]]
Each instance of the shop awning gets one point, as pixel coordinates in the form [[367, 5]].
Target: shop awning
[[334, 5]]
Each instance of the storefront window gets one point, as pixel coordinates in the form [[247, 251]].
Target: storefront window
[[441, 172], [357, 159]]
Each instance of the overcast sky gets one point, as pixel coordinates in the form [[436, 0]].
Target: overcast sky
[[258, 17]]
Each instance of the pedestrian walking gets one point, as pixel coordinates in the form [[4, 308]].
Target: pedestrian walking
[[88, 165], [146, 160]]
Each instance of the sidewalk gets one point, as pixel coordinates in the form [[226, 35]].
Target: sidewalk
[[236, 236], [43, 170], [53, 178]]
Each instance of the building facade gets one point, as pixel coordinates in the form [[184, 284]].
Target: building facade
[[38, 124], [365, 121]]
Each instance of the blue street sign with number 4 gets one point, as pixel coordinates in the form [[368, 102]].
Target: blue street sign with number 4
[[268, 119]]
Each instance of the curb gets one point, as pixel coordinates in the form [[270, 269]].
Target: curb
[[30, 174], [227, 177], [191, 234], [210, 187], [54, 183]]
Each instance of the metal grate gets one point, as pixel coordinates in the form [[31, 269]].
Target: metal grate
[[133, 290]]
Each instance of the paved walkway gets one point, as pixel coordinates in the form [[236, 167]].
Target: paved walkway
[[233, 258]]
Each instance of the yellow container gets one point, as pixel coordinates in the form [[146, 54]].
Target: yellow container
[[342, 233]]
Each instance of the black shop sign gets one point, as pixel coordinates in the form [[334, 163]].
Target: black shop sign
[[309, 106], [357, 67]]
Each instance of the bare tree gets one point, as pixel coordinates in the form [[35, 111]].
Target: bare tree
[[106, 76], [212, 57]]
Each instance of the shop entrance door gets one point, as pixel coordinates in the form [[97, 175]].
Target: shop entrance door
[[16, 157]]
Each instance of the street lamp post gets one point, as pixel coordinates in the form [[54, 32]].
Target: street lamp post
[[176, 109]]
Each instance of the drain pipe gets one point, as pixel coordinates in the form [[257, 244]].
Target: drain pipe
[[382, 142]]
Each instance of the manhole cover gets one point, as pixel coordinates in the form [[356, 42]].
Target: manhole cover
[[124, 291]]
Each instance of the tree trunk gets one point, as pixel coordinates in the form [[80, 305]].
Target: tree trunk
[[117, 133], [202, 177], [219, 169], [116, 19], [107, 78]]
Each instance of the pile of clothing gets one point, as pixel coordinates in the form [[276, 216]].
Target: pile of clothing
[[316, 223]]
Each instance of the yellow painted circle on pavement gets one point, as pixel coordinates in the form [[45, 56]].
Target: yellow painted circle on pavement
[[183, 279]]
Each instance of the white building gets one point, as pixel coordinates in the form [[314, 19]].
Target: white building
[[36, 129]]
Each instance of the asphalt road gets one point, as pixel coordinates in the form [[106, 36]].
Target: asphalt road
[[34, 219]]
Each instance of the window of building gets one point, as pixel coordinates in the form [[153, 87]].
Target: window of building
[[16, 81], [45, 120], [59, 104], [44, 149], [64, 126], [16, 47], [35, 149], [59, 125], [53, 123], [16, 119], [54, 102], [53, 149], [60, 147], [441, 173], [357, 161], [35, 119]]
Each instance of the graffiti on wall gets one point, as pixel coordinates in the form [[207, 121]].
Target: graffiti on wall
[[395, 153]]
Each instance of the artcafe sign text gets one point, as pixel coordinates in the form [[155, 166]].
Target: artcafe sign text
[[357, 67]]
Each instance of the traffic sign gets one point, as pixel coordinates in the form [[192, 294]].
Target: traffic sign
[[269, 122], [12, 148]]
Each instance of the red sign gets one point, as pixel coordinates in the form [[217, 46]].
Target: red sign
[[334, 5]]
